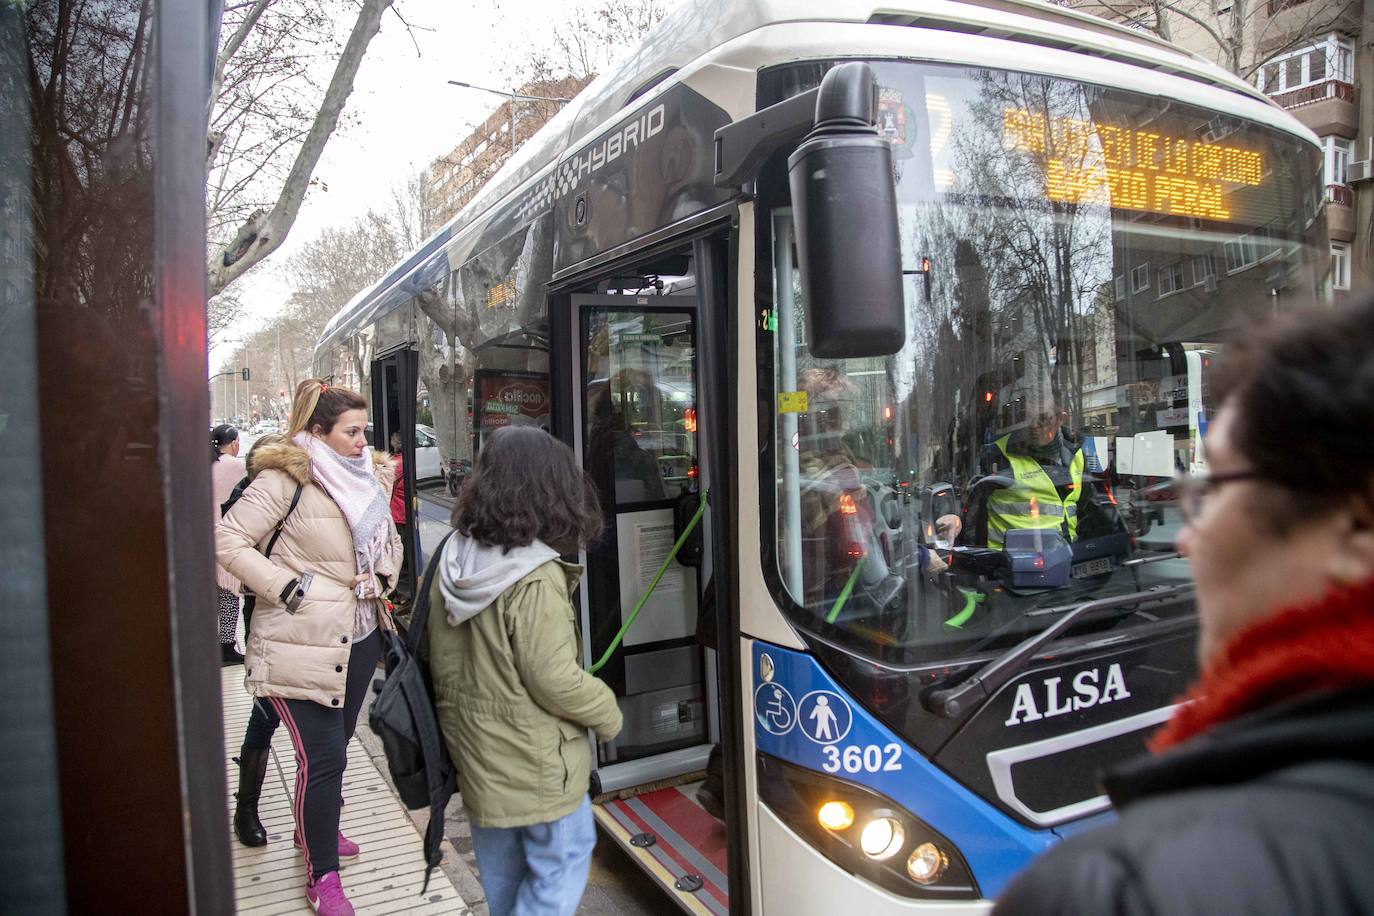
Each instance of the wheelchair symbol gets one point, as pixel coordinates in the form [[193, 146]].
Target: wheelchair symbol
[[774, 709]]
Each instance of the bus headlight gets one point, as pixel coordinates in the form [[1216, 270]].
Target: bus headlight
[[865, 833], [927, 863], [836, 815], [882, 837]]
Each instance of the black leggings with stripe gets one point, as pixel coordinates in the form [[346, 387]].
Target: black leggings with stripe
[[320, 735]]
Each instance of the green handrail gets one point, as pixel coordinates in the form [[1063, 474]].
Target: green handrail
[[971, 601], [844, 592], [639, 605]]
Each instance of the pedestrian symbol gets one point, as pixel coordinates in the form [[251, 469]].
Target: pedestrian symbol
[[824, 716], [774, 709]]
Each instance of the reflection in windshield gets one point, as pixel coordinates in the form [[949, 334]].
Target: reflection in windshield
[[1074, 257]]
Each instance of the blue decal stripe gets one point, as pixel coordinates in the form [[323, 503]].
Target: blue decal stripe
[[995, 845]]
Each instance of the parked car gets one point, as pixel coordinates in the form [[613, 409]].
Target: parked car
[[427, 463]]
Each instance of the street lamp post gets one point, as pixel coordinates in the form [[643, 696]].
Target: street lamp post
[[514, 97]]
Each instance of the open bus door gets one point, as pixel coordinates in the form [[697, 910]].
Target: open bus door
[[636, 431], [395, 378]]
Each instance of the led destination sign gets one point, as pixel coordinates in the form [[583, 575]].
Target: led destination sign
[[1131, 169]]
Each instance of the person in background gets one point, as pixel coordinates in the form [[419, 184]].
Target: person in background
[[226, 470], [1259, 798], [398, 516], [263, 720], [513, 701], [313, 647]]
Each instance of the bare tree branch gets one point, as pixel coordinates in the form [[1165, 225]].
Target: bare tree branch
[[231, 47], [261, 234]]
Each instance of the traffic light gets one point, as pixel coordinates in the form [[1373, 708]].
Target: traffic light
[[245, 375]]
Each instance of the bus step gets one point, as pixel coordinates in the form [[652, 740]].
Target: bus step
[[675, 841]]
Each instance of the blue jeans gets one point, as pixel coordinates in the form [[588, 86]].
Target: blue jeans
[[539, 870]]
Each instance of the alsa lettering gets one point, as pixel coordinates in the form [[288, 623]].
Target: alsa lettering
[[1089, 689]]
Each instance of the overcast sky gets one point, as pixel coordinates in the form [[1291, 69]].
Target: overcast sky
[[405, 115]]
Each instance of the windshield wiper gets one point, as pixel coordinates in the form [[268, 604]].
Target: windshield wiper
[[950, 703]]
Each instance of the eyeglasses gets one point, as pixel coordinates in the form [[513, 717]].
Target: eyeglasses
[[1192, 490]]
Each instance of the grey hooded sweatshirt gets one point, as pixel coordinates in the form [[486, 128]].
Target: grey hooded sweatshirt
[[473, 574]]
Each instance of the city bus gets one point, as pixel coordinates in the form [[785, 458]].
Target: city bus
[[812, 266]]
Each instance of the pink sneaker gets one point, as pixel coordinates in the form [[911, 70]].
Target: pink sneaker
[[326, 896], [348, 850]]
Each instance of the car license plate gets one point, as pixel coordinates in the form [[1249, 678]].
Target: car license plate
[[1092, 568]]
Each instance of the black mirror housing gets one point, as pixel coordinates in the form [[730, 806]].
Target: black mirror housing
[[844, 209]]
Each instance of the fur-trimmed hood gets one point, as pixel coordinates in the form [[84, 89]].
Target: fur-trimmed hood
[[294, 461]]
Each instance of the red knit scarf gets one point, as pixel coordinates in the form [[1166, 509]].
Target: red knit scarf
[[1327, 644]]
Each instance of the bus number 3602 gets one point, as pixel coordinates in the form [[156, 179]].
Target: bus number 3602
[[856, 758]]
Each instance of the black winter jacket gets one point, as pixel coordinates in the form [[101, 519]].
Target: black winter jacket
[[1270, 813]]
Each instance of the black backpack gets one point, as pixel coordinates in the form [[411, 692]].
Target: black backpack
[[403, 716]]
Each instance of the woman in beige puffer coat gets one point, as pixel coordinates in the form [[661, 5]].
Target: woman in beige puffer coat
[[313, 645]]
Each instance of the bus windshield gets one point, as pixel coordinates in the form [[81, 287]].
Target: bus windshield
[[1074, 257]]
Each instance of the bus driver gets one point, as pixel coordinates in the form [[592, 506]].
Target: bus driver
[[1039, 481]]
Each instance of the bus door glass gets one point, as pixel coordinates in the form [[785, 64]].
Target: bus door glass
[[638, 441], [393, 429]]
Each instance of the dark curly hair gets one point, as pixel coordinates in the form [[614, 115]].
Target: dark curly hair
[[1302, 388], [526, 485]]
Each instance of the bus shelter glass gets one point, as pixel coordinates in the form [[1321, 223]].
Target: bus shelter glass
[[1074, 257]]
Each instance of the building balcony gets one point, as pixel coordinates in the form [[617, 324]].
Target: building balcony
[[1327, 107], [1340, 212]]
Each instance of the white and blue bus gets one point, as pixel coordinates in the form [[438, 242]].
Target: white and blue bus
[[1010, 217]]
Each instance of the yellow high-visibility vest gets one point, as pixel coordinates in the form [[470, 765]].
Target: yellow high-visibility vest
[[1034, 502]]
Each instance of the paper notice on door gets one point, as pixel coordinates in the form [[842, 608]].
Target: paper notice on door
[[1147, 454], [653, 542]]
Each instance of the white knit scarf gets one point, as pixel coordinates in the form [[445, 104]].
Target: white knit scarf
[[352, 485]]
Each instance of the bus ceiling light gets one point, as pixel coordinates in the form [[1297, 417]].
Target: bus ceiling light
[[927, 864], [836, 815], [882, 837]]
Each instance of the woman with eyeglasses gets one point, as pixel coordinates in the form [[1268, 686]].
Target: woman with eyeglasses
[[1259, 795]]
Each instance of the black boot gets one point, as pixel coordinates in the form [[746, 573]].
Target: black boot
[[228, 655], [252, 769]]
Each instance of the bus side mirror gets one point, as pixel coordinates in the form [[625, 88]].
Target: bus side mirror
[[844, 208]]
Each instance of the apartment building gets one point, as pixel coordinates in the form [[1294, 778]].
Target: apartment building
[[1307, 56], [455, 178]]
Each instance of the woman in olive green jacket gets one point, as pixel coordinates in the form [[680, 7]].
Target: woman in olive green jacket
[[514, 703]]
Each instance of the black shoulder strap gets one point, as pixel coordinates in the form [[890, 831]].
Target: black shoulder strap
[[295, 498], [419, 617]]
